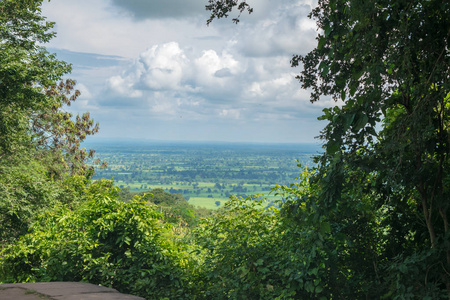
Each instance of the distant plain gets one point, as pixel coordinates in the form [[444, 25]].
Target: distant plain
[[206, 174]]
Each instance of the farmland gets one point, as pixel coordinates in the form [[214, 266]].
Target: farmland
[[206, 174]]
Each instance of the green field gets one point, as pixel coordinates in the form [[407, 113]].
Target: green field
[[203, 173], [209, 203]]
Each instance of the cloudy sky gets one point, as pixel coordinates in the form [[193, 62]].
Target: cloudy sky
[[153, 69]]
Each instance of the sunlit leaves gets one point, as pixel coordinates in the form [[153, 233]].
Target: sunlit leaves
[[255, 252], [32, 93], [103, 241]]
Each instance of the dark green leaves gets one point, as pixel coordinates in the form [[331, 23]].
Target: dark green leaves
[[360, 122], [222, 8], [386, 61]]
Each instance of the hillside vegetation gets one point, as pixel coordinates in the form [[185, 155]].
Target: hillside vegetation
[[369, 222]]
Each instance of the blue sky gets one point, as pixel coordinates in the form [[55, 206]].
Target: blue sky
[[153, 69]]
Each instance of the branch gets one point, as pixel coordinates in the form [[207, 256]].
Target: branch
[[221, 9]]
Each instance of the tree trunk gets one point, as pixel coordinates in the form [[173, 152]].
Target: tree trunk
[[427, 215]]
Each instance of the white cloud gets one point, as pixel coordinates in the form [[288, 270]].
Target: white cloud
[[85, 94], [168, 79], [230, 113], [163, 67], [215, 75], [287, 31], [165, 73], [101, 27], [84, 101], [123, 87]]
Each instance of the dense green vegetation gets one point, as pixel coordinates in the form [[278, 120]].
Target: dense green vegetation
[[369, 222], [202, 172], [40, 154], [121, 244]]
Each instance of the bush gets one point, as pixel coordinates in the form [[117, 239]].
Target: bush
[[249, 253], [103, 241], [27, 189]]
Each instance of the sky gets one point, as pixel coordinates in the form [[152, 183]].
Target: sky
[[153, 69]]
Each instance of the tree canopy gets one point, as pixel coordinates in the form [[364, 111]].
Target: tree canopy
[[40, 142], [386, 159], [33, 90], [389, 63]]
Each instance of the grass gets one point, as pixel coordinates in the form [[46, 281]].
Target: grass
[[200, 196], [206, 202], [210, 203]]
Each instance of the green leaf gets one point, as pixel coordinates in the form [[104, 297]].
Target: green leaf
[[318, 289], [348, 120], [332, 147], [361, 121], [325, 227], [321, 43], [343, 95]]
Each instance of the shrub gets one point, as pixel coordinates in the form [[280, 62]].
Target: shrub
[[249, 253], [103, 241]]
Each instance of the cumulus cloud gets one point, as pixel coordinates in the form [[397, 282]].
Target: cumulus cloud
[[215, 75], [162, 67], [167, 67], [173, 81], [286, 32], [123, 86], [230, 113], [149, 62], [84, 101]]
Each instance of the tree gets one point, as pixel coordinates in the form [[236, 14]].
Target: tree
[[387, 62], [39, 142], [25, 69], [33, 92], [222, 8], [387, 143]]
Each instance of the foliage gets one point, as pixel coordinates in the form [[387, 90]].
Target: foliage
[[174, 207], [221, 9], [40, 152], [371, 222], [33, 93], [25, 69], [389, 63], [24, 190], [30, 96], [103, 241], [238, 245], [414, 277], [251, 252], [382, 182], [27, 190]]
